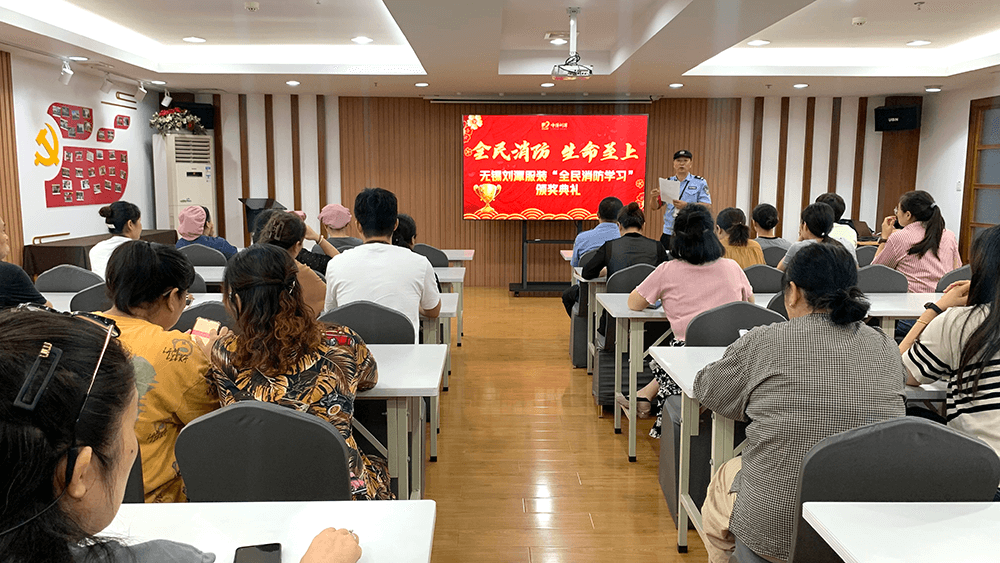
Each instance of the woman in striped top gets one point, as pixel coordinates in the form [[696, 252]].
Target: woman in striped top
[[957, 340], [915, 242]]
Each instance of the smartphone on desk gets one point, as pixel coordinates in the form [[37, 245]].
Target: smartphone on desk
[[265, 553], [203, 329]]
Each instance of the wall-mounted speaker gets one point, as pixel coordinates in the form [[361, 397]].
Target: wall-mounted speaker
[[897, 118]]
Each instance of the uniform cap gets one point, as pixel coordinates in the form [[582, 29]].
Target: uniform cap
[[683, 153]]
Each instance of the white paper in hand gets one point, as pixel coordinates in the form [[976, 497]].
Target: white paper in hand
[[669, 190]]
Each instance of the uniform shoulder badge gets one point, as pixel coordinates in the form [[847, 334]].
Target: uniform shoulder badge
[[697, 176]]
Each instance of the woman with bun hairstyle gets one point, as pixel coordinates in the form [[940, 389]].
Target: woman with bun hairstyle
[[734, 234], [697, 279], [915, 242], [287, 231], [631, 249], [281, 354], [816, 225], [148, 285], [124, 221], [195, 227], [765, 220], [68, 455], [821, 373]]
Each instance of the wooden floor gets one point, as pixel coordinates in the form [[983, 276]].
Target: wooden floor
[[527, 472]]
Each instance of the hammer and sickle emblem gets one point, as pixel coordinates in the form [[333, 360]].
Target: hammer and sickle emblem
[[53, 151]]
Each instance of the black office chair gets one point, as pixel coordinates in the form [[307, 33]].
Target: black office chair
[[721, 326], [773, 255], [586, 257], [881, 279], [777, 304], [66, 278], [212, 310], [374, 323], [135, 492], [627, 279], [437, 258], [865, 255], [764, 279], [198, 285], [958, 274], [252, 451], [201, 255], [94, 298], [902, 460]]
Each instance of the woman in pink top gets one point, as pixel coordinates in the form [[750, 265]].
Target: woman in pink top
[[916, 243], [697, 280]]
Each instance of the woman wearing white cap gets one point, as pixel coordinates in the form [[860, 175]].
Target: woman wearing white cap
[[195, 227], [336, 219]]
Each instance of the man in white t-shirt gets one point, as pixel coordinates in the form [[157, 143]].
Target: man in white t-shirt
[[841, 232], [377, 271]]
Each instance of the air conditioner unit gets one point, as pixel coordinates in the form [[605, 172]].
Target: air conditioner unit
[[183, 175]]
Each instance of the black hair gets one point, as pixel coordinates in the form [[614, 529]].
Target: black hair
[[631, 216], [734, 222], [141, 273], [984, 293], [835, 202], [118, 214], [283, 230], [828, 276], [258, 223], [208, 214], [818, 218], [376, 210], [923, 208], [766, 216], [694, 239], [34, 524], [609, 208], [405, 231]]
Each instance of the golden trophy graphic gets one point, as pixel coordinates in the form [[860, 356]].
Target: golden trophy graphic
[[488, 193]]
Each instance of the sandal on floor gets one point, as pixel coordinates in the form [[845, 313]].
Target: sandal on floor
[[643, 406]]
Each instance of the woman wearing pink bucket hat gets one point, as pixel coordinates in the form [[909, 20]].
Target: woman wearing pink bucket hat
[[195, 227]]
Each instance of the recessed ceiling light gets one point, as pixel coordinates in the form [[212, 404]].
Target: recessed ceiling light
[[78, 59], [157, 82], [548, 84], [800, 86], [932, 89], [421, 85], [758, 42], [558, 41], [194, 39], [293, 83], [918, 43], [362, 40], [676, 85]]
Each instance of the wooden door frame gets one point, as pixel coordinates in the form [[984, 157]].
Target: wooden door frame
[[976, 109]]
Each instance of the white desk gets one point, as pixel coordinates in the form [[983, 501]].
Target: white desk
[[406, 374], [594, 315], [907, 532], [439, 331], [567, 255], [890, 307], [400, 531], [631, 325], [454, 277], [682, 365], [211, 274], [457, 256], [60, 300]]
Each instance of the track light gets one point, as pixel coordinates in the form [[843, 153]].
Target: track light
[[167, 98], [140, 93], [108, 84], [67, 73]]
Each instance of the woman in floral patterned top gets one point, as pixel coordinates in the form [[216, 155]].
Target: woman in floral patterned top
[[282, 355]]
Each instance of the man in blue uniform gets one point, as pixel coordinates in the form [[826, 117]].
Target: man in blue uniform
[[694, 189]]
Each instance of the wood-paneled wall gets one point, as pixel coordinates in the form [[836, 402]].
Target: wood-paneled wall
[[900, 155], [413, 148], [10, 193]]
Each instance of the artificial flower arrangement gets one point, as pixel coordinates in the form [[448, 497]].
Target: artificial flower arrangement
[[176, 119]]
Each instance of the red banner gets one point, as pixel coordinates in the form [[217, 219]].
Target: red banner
[[551, 167]]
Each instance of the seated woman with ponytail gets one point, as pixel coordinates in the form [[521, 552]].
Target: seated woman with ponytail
[[734, 234], [915, 243], [281, 354], [821, 373], [631, 249], [817, 223], [69, 444], [287, 231], [124, 223]]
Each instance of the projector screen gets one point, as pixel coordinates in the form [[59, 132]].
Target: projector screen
[[550, 167]]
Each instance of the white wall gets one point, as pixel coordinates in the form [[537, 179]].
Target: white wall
[[944, 137], [36, 87]]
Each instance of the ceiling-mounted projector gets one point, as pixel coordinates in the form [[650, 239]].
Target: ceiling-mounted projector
[[571, 69]]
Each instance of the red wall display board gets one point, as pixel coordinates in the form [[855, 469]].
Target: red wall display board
[[85, 175], [550, 167]]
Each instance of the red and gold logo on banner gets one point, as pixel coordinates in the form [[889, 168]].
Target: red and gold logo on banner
[[537, 167]]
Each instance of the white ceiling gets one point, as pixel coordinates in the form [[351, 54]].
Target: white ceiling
[[481, 48]]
